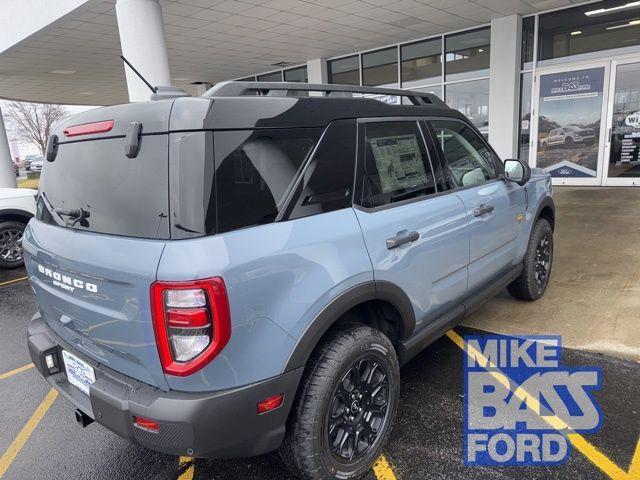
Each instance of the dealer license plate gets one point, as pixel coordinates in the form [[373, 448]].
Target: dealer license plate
[[79, 373]]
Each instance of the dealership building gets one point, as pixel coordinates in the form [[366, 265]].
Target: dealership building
[[554, 82]]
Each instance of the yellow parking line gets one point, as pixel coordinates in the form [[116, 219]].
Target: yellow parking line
[[578, 441], [15, 280], [17, 370], [383, 470], [187, 474], [634, 468], [7, 458]]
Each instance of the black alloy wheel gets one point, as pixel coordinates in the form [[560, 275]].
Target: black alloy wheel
[[358, 410]]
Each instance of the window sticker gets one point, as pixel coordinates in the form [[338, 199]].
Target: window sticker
[[399, 162]]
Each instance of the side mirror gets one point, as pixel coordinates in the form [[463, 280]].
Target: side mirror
[[517, 171]]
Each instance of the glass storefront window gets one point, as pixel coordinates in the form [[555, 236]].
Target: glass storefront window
[[421, 63], [380, 67], [589, 28], [528, 39], [435, 89], [472, 99], [624, 159], [271, 77], [467, 54], [569, 120], [345, 71], [296, 75], [525, 117]]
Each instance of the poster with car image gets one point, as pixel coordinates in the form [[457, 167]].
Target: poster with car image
[[569, 117]]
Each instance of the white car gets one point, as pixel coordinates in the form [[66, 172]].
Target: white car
[[36, 166], [17, 206]]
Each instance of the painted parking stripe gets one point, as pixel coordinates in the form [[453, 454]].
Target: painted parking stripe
[[383, 470], [15, 280], [186, 468], [16, 446], [581, 444], [16, 370]]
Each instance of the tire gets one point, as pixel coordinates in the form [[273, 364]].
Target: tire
[[532, 282], [568, 142], [307, 446], [11, 244]]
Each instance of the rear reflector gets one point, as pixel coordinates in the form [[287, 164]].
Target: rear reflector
[[146, 424], [270, 403], [89, 128]]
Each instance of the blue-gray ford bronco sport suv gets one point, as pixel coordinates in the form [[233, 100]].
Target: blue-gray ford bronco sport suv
[[245, 271]]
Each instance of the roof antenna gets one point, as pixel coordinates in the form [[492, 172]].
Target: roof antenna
[[153, 89]]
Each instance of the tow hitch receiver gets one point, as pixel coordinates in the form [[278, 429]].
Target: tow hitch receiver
[[82, 418]]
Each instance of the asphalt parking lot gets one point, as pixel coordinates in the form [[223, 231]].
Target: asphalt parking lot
[[40, 439]]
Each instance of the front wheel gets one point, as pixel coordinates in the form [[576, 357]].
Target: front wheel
[[345, 408], [11, 244], [533, 281]]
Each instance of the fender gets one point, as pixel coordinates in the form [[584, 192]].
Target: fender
[[343, 303], [546, 202], [15, 212]]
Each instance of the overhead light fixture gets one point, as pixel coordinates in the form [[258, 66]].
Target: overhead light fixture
[[601, 11], [624, 25], [86, 93], [480, 50], [63, 72], [577, 32]]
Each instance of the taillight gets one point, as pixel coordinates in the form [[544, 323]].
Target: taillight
[[192, 323]]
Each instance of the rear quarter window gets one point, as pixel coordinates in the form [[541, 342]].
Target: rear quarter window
[[255, 170]]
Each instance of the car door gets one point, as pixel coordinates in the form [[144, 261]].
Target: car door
[[416, 234], [495, 207]]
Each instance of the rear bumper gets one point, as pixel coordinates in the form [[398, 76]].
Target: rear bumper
[[221, 424]]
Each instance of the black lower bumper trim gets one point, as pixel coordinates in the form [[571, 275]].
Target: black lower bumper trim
[[221, 424]]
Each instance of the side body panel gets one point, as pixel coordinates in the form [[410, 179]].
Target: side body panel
[[493, 236], [17, 201], [279, 277], [431, 270]]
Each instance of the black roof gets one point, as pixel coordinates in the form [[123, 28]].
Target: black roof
[[239, 105]]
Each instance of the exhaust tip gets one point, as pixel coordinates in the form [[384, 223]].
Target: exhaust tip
[[82, 418]]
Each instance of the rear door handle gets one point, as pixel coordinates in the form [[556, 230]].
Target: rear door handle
[[401, 238], [483, 210]]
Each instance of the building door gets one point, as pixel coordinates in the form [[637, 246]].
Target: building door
[[622, 152], [567, 132]]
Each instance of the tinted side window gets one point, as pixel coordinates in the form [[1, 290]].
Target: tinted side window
[[396, 166], [327, 183], [255, 170], [468, 158]]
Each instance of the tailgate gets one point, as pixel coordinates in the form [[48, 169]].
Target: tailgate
[[93, 291], [93, 249]]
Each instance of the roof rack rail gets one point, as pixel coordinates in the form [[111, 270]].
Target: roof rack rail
[[238, 89]]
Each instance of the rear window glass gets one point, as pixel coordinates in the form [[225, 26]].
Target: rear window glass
[[116, 195], [255, 170]]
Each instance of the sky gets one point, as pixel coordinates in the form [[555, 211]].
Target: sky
[[31, 149]]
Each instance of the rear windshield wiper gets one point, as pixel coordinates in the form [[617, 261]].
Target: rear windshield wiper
[[76, 215], [51, 208]]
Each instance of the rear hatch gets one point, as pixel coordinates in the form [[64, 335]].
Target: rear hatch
[[101, 224]]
